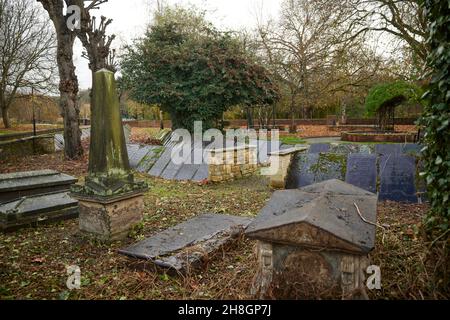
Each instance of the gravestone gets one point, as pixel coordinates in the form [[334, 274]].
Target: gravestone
[[24, 184], [186, 244], [412, 149], [391, 148], [398, 178], [362, 171], [37, 209], [346, 148], [312, 168], [314, 240], [319, 148]]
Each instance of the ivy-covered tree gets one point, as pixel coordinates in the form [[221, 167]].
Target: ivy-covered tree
[[384, 98], [436, 118], [193, 71]]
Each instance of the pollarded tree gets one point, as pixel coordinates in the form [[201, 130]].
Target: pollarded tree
[[193, 71], [384, 98]]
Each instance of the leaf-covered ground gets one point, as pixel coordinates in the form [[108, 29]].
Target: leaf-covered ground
[[33, 261]]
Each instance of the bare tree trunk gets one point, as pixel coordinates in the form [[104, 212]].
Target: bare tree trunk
[[293, 127], [5, 117], [68, 87]]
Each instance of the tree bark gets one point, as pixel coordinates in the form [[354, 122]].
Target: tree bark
[[5, 117], [68, 87], [68, 81]]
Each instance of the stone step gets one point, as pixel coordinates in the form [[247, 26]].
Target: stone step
[[34, 210], [23, 184]]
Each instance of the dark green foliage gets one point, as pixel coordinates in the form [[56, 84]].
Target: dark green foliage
[[391, 95], [436, 117], [194, 72]]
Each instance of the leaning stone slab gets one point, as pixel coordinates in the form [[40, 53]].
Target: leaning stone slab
[[188, 243], [30, 211], [22, 184]]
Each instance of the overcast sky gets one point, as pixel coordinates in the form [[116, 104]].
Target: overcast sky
[[131, 17]]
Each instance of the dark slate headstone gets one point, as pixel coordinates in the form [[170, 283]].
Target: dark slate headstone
[[161, 163], [362, 171], [412, 149], [312, 168], [37, 209], [300, 173], [391, 148], [136, 153], [319, 148], [398, 178], [348, 148], [202, 173], [153, 154], [188, 242]]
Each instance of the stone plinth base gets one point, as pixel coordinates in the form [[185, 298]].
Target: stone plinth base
[[110, 219], [287, 272]]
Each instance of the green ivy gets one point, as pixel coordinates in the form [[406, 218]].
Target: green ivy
[[387, 94], [193, 71], [436, 117]]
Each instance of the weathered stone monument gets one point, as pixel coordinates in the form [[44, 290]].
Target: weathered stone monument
[[111, 201], [313, 242]]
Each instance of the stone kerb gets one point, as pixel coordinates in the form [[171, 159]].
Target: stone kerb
[[284, 159], [227, 164]]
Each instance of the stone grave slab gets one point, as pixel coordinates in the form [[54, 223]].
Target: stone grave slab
[[347, 148], [161, 163], [362, 171], [412, 149], [312, 168], [21, 184], [38, 209], [398, 178], [389, 148], [202, 173], [150, 158], [319, 148], [187, 243], [135, 154]]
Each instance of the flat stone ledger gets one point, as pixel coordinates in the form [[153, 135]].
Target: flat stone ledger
[[37, 209], [184, 246], [111, 201], [112, 219]]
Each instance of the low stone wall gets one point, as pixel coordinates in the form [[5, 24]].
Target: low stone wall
[[232, 163], [396, 137], [28, 146]]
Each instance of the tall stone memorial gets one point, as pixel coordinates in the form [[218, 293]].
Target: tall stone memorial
[[110, 200]]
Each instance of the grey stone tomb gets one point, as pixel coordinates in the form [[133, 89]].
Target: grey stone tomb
[[37, 209], [186, 244], [23, 184], [313, 242]]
